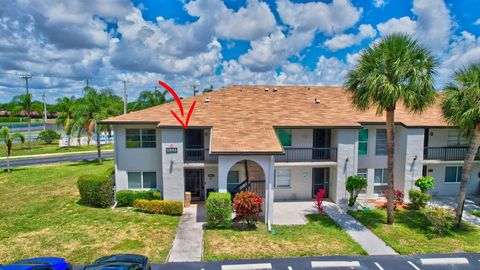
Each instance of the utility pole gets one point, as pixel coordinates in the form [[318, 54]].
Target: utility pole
[[26, 77], [195, 91], [44, 112], [124, 97]]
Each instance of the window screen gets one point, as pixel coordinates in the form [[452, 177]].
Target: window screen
[[285, 136], [283, 177], [363, 142], [381, 142]]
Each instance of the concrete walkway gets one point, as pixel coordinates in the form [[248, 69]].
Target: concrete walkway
[[451, 202], [367, 239], [188, 243]]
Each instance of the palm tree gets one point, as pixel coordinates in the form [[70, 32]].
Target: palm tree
[[397, 69], [24, 102], [66, 107], [461, 108], [148, 99], [98, 106], [7, 139]]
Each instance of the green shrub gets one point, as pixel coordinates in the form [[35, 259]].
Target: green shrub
[[219, 210], [354, 185], [95, 190], [128, 197], [440, 218], [418, 199], [172, 208], [48, 136], [425, 183]]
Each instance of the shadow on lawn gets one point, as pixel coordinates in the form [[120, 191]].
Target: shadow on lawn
[[86, 162]]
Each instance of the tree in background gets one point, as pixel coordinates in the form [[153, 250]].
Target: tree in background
[[66, 107], [148, 99], [461, 108], [396, 69], [24, 102], [7, 139]]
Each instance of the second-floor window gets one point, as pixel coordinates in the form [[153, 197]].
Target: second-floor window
[[381, 142], [453, 174], [285, 136], [363, 142], [141, 138], [455, 138]]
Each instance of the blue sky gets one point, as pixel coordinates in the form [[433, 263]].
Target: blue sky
[[214, 42]]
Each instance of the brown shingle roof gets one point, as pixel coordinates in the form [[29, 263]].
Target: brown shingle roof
[[242, 117]]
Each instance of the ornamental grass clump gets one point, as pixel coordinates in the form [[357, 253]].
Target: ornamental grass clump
[[248, 207]]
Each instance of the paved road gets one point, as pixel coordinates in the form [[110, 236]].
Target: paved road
[[49, 160], [464, 261]]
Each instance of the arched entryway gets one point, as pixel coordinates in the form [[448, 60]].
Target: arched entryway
[[246, 175]]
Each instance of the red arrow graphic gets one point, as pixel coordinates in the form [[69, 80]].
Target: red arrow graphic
[[180, 105]]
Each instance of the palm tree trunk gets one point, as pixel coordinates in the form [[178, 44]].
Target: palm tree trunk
[[99, 149], [466, 171], [390, 164], [8, 157], [68, 141]]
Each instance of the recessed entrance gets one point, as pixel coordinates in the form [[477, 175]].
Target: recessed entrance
[[246, 175], [320, 180], [194, 183]]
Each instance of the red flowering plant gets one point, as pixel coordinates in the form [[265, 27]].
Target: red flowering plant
[[247, 206], [319, 200], [397, 197]]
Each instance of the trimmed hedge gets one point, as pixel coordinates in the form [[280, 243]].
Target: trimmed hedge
[[128, 197], [172, 208], [219, 210], [95, 190], [418, 199]]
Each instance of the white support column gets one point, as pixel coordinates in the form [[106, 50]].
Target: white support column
[[269, 194], [172, 164], [347, 159]]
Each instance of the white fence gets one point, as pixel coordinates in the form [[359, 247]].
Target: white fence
[[74, 141]]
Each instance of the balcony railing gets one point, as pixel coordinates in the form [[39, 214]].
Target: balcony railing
[[450, 153], [199, 155], [294, 154]]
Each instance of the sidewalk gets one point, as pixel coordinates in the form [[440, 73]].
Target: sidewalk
[[188, 243], [55, 154], [367, 240]]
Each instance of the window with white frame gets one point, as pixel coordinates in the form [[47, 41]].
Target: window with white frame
[[380, 181], [453, 174], [142, 180], [363, 172], [455, 138], [363, 142], [381, 142], [282, 177], [141, 138]]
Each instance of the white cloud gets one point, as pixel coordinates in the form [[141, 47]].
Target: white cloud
[[248, 23], [463, 51], [273, 50], [433, 23], [402, 25], [379, 3], [317, 16], [342, 41], [477, 22]]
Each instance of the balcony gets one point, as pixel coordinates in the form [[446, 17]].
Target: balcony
[[451, 153], [294, 154], [193, 155]]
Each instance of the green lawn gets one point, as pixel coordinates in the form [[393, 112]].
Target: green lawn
[[39, 147], [475, 213], [40, 216], [319, 237], [410, 234]]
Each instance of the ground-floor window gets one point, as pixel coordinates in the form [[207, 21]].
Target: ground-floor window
[[142, 180], [282, 177], [363, 172], [453, 174], [381, 181]]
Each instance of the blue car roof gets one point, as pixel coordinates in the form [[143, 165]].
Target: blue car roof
[[31, 264]]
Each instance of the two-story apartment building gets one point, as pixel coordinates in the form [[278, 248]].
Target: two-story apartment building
[[283, 142]]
